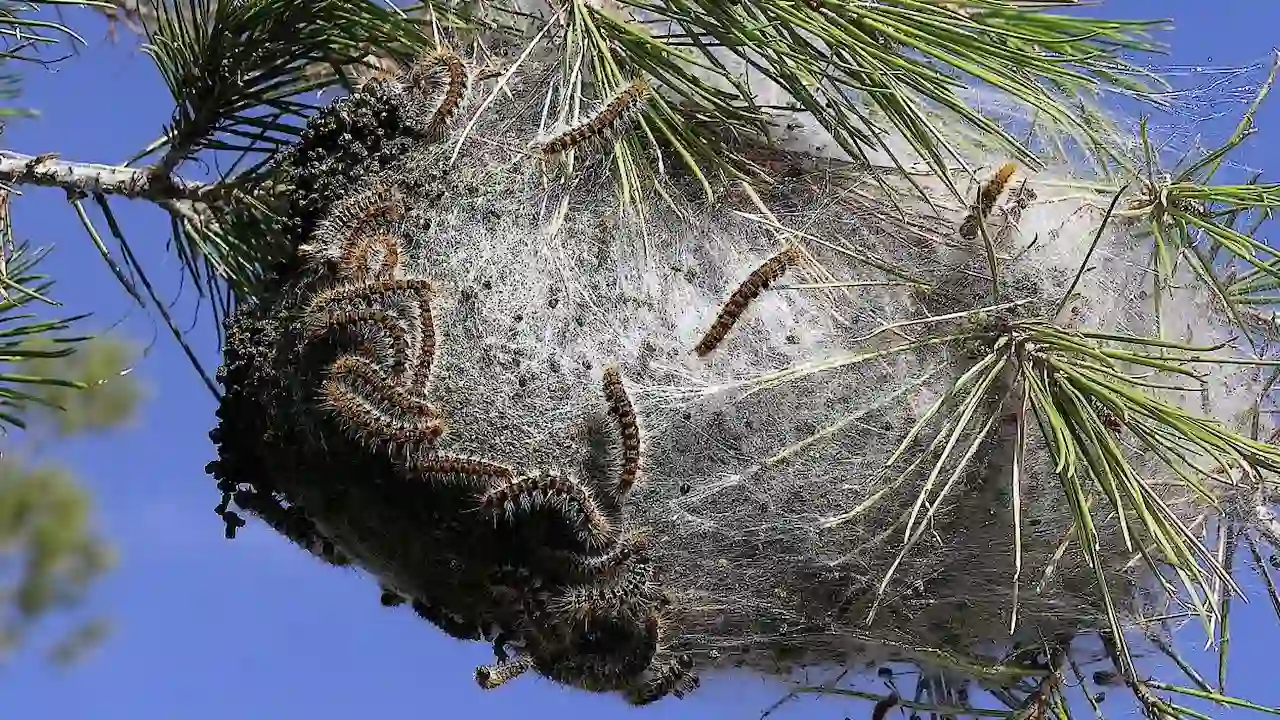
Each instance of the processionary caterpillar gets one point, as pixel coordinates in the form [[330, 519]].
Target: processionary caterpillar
[[374, 257], [498, 674], [451, 468], [539, 490], [375, 410], [756, 282], [445, 79], [987, 196], [615, 394], [319, 325], [674, 678], [606, 122], [375, 210]]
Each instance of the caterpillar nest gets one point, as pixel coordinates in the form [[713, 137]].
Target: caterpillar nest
[[630, 454]]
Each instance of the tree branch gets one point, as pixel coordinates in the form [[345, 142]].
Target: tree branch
[[90, 178]]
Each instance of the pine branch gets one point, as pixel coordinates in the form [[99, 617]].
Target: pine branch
[[91, 178]]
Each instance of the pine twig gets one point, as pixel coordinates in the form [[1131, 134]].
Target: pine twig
[[91, 178]]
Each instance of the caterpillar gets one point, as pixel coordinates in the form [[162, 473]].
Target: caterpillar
[[628, 553], [498, 674], [987, 196], [381, 206], [615, 393], [374, 410], [451, 468], [1019, 200], [539, 490], [756, 282], [419, 368], [372, 257], [607, 121], [364, 292], [443, 79], [319, 325], [675, 677]]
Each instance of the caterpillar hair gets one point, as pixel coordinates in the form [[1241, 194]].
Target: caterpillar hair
[[419, 371], [422, 359], [452, 469], [443, 80], [498, 674], [675, 677], [608, 121], [756, 282], [365, 292], [375, 411], [987, 196], [378, 208], [340, 319], [615, 394], [374, 257], [627, 552], [545, 490], [1019, 200]]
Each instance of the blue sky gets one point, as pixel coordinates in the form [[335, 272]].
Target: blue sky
[[254, 628]]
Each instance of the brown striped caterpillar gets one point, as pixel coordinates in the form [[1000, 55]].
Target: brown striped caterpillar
[[379, 208], [756, 282], [548, 490], [443, 81], [422, 358], [374, 257], [499, 674], [370, 291], [987, 196], [625, 554], [458, 468], [339, 319], [615, 394], [375, 411], [674, 677], [609, 121]]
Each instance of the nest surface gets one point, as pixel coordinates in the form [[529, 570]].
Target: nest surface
[[478, 382]]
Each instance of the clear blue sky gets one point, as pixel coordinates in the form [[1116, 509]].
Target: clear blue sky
[[255, 628]]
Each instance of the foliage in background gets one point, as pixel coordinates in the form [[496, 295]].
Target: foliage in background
[[51, 553], [53, 387]]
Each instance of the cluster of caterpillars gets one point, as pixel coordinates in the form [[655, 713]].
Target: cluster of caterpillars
[[589, 611]]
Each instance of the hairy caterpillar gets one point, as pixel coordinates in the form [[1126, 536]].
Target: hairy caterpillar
[[319, 325], [750, 288], [374, 257], [420, 290], [615, 393], [374, 410], [987, 196], [498, 674], [443, 79], [365, 292], [539, 490], [450, 468], [607, 121], [1019, 200], [675, 677], [380, 207], [627, 554]]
